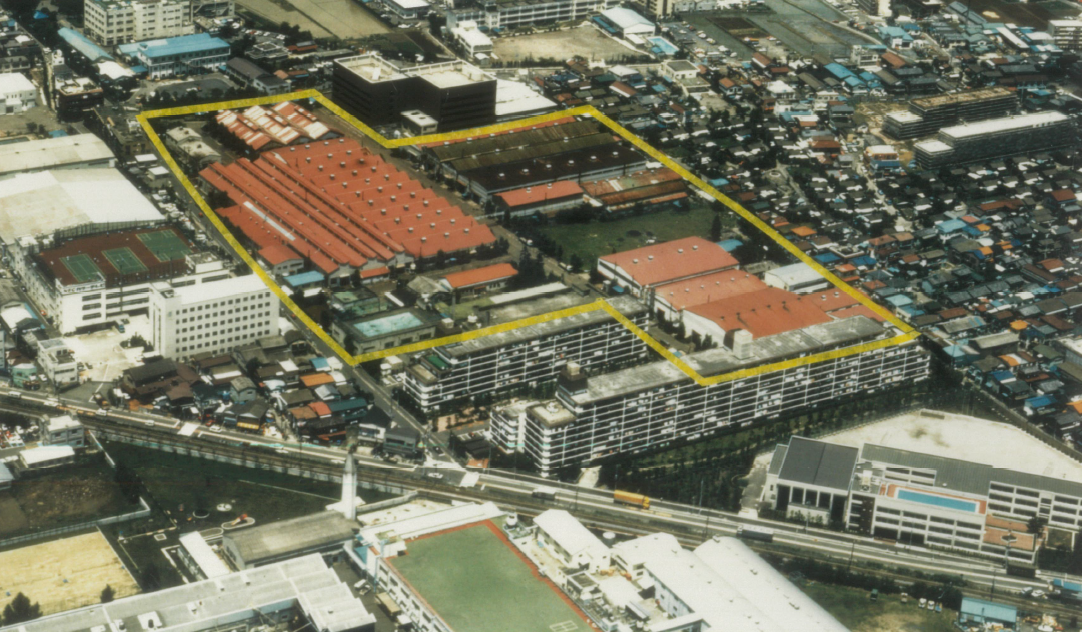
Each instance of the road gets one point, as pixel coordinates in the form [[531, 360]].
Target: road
[[515, 492]]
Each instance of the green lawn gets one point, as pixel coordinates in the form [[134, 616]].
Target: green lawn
[[857, 612], [477, 582], [592, 240], [176, 480]]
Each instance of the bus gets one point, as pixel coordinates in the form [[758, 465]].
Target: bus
[[544, 493], [761, 534]]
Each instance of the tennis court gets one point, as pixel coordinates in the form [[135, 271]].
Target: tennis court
[[82, 267], [165, 245], [477, 582], [124, 260]]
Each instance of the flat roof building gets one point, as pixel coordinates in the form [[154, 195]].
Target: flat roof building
[[184, 55], [324, 532], [456, 94], [98, 279], [303, 588], [946, 503], [928, 115], [211, 316], [77, 151], [199, 559], [533, 354], [17, 93], [71, 201], [600, 416], [996, 138]]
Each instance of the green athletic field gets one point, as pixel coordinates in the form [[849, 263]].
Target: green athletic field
[[165, 245], [82, 267], [477, 583], [124, 260]]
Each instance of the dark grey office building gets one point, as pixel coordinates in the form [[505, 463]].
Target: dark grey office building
[[456, 94]]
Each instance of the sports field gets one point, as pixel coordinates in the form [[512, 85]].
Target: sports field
[[477, 582], [124, 260], [82, 267], [165, 245], [64, 574]]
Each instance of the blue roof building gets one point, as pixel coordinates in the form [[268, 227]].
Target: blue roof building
[[83, 46], [981, 611], [177, 56]]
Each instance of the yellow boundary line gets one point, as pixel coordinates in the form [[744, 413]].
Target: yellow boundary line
[[144, 118]]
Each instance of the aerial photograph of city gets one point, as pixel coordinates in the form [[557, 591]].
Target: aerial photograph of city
[[540, 315]]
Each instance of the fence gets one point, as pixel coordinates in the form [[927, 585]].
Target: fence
[[142, 512]]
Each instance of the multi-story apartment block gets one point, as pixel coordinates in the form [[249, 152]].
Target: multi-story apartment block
[[655, 405], [1066, 33], [996, 138], [112, 22], [527, 356], [511, 13], [921, 499], [928, 115], [211, 317], [181, 55]]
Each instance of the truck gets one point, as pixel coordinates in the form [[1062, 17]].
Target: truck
[[544, 493], [750, 532], [628, 498]]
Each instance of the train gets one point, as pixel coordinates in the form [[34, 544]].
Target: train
[[544, 493], [762, 534], [628, 498]]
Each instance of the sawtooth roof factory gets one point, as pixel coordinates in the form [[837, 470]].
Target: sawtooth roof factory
[[341, 207]]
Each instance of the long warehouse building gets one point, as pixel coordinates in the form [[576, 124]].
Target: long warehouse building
[[996, 138], [656, 405], [527, 356], [341, 207]]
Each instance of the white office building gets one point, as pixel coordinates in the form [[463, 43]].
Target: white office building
[[17, 93], [112, 22], [1066, 33], [211, 317], [471, 39], [656, 405]]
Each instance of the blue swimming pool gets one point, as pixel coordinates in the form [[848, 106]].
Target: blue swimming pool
[[956, 504], [665, 46]]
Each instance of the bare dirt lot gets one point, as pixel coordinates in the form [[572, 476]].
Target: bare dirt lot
[[64, 574], [346, 19], [584, 41], [71, 495]]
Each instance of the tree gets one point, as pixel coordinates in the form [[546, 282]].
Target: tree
[[715, 229], [107, 594], [576, 263], [128, 481], [20, 610], [1036, 525]]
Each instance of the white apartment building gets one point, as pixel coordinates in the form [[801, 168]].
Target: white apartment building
[[1066, 33], [524, 13], [62, 430], [211, 317], [527, 356], [656, 405], [112, 22]]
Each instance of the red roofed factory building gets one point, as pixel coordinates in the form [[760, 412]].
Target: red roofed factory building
[[341, 207], [645, 268]]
